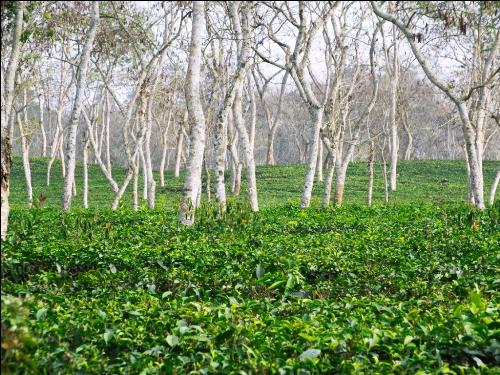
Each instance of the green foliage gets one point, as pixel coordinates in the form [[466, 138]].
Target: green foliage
[[439, 182], [404, 288]]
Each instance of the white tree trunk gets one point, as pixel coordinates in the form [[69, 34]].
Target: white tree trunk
[[340, 183], [151, 184], [329, 179], [392, 113], [371, 160], [85, 170], [42, 125], [77, 107], [25, 145], [144, 173], [164, 150], [319, 163], [386, 182], [107, 172], [179, 147], [6, 115], [208, 178], [107, 145], [494, 187], [220, 156], [192, 185], [163, 160], [313, 157], [247, 150], [270, 160], [135, 186]]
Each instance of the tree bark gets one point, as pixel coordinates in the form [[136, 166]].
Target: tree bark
[[270, 147], [371, 160], [25, 145], [135, 185], [319, 163], [86, 169], [494, 187], [180, 145], [6, 114], [196, 118], [144, 172], [42, 125], [164, 149], [329, 179], [313, 156], [77, 107], [208, 178], [392, 113], [107, 143], [247, 150], [241, 28]]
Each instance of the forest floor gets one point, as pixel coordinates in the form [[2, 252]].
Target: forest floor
[[405, 287]]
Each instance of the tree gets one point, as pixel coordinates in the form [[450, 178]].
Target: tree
[[473, 133], [7, 113], [297, 63], [192, 185], [70, 157]]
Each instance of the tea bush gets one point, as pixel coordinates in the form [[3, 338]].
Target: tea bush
[[410, 287]]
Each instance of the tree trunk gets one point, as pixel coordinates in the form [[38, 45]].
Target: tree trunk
[[178, 152], [340, 183], [329, 179], [207, 176], [409, 147], [135, 185], [151, 184], [192, 185], [6, 115], [475, 165], [86, 170], [107, 173], [371, 160], [144, 174], [42, 125], [313, 156], [220, 157], [25, 145], [108, 120], [235, 160], [386, 182], [77, 106], [164, 151], [494, 187], [247, 149], [319, 163], [470, 193], [163, 160], [392, 113], [61, 153], [270, 147]]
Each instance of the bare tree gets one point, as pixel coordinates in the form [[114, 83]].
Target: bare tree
[[7, 112], [473, 134], [494, 186], [77, 107], [192, 185], [272, 118], [297, 63]]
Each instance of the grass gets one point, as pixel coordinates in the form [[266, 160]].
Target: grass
[[409, 287], [419, 181]]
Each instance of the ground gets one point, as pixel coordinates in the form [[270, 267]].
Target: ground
[[408, 287]]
